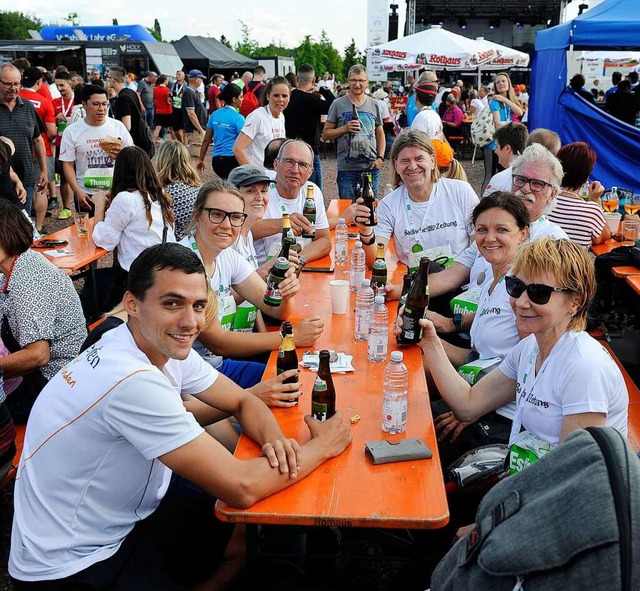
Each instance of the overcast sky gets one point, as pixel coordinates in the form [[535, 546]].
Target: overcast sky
[[286, 21]]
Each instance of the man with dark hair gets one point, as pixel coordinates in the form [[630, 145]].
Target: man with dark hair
[[622, 104], [121, 399], [85, 144], [19, 122], [62, 108], [511, 140], [22, 63], [145, 95], [577, 84], [302, 117], [213, 92], [256, 84], [128, 105], [615, 79], [194, 113], [271, 154]]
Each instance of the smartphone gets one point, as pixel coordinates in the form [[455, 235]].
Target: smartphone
[[49, 243], [318, 269]]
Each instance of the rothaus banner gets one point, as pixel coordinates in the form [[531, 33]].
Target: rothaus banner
[[377, 31]]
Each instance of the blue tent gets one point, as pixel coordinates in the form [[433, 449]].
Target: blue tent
[[613, 24], [106, 33]]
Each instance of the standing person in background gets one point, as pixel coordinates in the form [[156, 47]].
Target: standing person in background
[[615, 80], [622, 104], [502, 105], [145, 94], [213, 92], [263, 124], [476, 105], [62, 108], [328, 81], [194, 113], [163, 109], [176, 100], [303, 115], [127, 104], [427, 119], [223, 127], [361, 141], [452, 118], [510, 141]]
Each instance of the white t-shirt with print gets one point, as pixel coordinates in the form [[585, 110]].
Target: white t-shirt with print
[[81, 144], [230, 269], [126, 226], [262, 127], [443, 220], [278, 205], [578, 376], [95, 433], [429, 121]]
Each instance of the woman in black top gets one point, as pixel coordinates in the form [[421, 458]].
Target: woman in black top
[[11, 187]]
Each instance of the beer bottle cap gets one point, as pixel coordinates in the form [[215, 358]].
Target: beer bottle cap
[[396, 356]]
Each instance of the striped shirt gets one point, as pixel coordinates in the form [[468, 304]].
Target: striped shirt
[[22, 126], [583, 221]]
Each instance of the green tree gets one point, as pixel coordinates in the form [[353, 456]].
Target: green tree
[[331, 57], [246, 46], [275, 49], [16, 25], [114, 22], [156, 31], [310, 52], [225, 41], [352, 55]]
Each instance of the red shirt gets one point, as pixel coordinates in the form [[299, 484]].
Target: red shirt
[[64, 106], [44, 108], [161, 97], [44, 91], [212, 94]]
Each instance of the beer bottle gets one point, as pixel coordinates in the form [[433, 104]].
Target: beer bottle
[[416, 305], [406, 284], [272, 295], [309, 212], [379, 272], [323, 398], [354, 113], [287, 355], [369, 198]]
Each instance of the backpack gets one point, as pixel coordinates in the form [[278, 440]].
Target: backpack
[[250, 100], [569, 521], [483, 128]]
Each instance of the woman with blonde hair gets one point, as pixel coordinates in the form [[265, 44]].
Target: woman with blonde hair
[[181, 180]]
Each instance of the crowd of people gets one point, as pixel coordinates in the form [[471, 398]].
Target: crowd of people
[[166, 384]]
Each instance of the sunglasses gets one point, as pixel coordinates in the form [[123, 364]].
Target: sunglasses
[[538, 293]]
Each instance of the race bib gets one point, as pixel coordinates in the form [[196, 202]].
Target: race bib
[[177, 102], [438, 252], [526, 449], [98, 178], [466, 302], [227, 312], [245, 317]]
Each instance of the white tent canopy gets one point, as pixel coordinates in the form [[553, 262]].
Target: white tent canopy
[[507, 57], [435, 48]]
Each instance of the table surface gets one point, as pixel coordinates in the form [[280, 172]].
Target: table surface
[[609, 245], [84, 250], [348, 490]]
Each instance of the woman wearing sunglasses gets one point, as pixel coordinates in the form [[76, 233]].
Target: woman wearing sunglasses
[[560, 378], [218, 216]]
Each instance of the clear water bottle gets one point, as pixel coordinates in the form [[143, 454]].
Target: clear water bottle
[[358, 265], [395, 387], [378, 339], [342, 238], [364, 309], [388, 188]]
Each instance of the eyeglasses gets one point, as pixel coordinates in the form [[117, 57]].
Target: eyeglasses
[[538, 292], [9, 85], [290, 163], [357, 81], [536, 185], [216, 216]]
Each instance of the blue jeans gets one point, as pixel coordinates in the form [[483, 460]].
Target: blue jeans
[[29, 202], [316, 176], [348, 179], [149, 117], [243, 373]]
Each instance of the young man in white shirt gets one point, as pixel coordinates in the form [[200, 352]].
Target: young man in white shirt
[[511, 140], [107, 431]]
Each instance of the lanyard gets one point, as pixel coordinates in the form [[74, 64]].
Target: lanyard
[[194, 248], [409, 207], [67, 109]]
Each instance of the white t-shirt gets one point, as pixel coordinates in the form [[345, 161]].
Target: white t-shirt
[[429, 121], [578, 376], [494, 332], [246, 312], [478, 105], [384, 110], [441, 221], [126, 226], [230, 269], [81, 144], [501, 181], [247, 249], [261, 127], [278, 205], [89, 470]]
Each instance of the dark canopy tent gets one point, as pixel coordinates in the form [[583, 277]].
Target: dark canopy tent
[[614, 24], [209, 55]]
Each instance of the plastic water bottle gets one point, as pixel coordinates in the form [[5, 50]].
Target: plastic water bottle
[[342, 237], [378, 340], [358, 264], [388, 188], [364, 310], [395, 387]]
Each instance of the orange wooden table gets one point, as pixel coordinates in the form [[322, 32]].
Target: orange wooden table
[[349, 491], [634, 282], [607, 246], [80, 264]]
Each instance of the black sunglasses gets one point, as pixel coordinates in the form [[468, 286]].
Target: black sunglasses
[[538, 292]]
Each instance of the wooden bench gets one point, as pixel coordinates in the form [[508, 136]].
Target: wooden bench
[[624, 272], [634, 282], [20, 429], [634, 403]]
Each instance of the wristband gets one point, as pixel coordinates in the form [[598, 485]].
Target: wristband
[[457, 323], [380, 158], [373, 239]]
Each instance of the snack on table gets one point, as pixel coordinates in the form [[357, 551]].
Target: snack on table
[[111, 145]]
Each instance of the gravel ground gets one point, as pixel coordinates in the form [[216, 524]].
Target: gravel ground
[[475, 175]]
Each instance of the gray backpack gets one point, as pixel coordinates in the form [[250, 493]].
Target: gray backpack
[[569, 521]]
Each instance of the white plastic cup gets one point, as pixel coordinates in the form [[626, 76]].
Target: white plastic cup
[[613, 221], [339, 289]]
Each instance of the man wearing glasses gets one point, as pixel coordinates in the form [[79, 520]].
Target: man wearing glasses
[[293, 166], [81, 146], [361, 141], [19, 122]]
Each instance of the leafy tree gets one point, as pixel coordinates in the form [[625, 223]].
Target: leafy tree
[[330, 56], [225, 41], [246, 46], [114, 22], [16, 25], [274, 49], [352, 55], [309, 52], [156, 31]]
